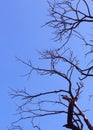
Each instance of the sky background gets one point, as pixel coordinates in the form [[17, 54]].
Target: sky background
[[21, 35]]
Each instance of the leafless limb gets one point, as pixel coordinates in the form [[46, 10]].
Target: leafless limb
[[73, 118], [66, 18], [34, 125]]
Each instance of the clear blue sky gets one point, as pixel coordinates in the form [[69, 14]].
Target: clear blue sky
[[21, 35]]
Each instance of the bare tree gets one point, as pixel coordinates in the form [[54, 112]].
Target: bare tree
[[68, 19]]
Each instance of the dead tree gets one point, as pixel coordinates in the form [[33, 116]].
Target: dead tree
[[66, 18]]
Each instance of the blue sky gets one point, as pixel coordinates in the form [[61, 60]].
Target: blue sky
[[21, 35]]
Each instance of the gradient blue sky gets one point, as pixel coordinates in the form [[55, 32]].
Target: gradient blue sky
[[21, 35]]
